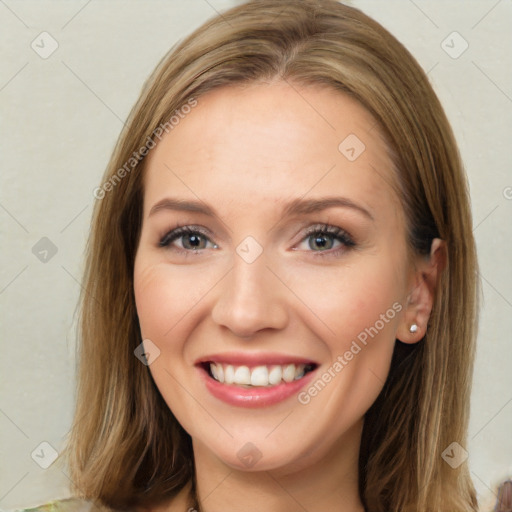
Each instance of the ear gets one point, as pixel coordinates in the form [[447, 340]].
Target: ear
[[422, 288]]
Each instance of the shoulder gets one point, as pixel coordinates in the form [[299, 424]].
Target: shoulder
[[67, 505]]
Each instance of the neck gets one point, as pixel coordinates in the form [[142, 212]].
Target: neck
[[329, 484]]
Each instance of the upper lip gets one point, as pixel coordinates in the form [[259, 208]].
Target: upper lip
[[259, 359]]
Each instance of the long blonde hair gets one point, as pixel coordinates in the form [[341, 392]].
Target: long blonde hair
[[125, 447]]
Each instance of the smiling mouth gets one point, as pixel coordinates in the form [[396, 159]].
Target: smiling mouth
[[262, 376]]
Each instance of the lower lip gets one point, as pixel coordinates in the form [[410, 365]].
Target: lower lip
[[254, 396]]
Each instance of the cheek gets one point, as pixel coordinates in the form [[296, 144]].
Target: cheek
[[172, 301], [360, 311], [357, 312], [150, 293], [352, 302], [165, 299], [164, 296]]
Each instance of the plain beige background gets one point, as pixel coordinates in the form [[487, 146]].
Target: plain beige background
[[60, 118]]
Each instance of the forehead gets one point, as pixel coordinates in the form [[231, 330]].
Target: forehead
[[262, 144]]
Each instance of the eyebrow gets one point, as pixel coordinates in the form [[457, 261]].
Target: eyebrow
[[294, 207], [305, 206]]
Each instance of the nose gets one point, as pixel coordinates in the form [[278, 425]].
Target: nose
[[250, 299]]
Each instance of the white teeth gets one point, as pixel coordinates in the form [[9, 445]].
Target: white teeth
[[220, 373], [275, 375], [229, 374], [242, 375], [261, 376], [289, 372], [215, 373]]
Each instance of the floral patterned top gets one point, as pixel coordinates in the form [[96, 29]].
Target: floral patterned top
[[66, 505]]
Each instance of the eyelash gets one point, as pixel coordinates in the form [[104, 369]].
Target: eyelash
[[347, 241], [319, 229], [180, 231]]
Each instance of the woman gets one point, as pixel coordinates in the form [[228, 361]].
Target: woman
[[279, 306]]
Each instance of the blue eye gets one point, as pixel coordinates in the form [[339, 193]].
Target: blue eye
[[191, 239], [327, 239], [321, 239]]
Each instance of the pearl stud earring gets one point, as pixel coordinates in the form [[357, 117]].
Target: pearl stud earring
[[413, 328]]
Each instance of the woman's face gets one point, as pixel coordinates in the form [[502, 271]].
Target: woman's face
[[273, 258]]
